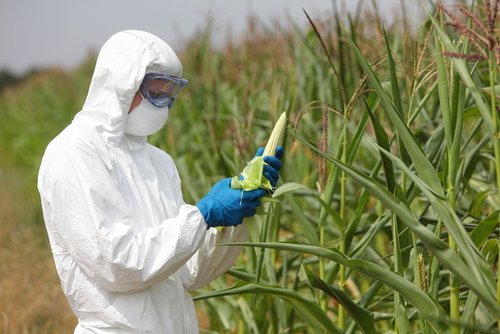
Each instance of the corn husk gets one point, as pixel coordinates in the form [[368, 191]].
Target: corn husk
[[251, 177]]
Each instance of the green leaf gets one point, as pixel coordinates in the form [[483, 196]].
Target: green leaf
[[496, 89], [479, 277], [383, 141], [422, 165], [293, 186], [308, 309], [290, 187], [397, 238], [396, 94], [491, 250], [484, 229], [308, 228], [475, 273], [425, 304], [248, 315], [444, 98], [463, 70], [362, 316]]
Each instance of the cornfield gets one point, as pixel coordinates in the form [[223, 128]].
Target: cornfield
[[386, 217]]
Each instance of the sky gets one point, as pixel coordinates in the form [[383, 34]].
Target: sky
[[38, 33]]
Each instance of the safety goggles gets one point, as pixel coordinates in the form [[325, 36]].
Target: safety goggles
[[161, 89]]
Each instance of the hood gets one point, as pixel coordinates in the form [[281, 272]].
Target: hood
[[121, 65]]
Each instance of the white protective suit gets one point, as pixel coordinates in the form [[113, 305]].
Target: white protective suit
[[126, 247]]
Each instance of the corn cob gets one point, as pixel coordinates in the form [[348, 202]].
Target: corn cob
[[275, 137]]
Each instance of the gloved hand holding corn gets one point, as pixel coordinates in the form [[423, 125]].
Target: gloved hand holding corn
[[231, 200], [255, 175]]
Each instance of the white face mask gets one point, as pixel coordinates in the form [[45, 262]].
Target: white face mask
[[146, 119]]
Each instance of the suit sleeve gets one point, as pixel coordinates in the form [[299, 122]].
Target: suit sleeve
[[213, 259]]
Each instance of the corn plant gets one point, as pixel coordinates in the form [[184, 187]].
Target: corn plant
[[405, 234]]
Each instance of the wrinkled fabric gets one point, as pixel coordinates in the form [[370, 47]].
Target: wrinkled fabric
[[126, 246]]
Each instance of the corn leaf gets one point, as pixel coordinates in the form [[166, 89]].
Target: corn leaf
[[484, 229], [422, 165], [467, 79], [426, 305], [474, 272], [362, 316], [476, 264], [308, 309]]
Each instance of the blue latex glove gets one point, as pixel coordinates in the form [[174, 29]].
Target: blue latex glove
[[223, 206], [271, 170]]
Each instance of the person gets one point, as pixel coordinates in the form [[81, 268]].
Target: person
[[126, 246]]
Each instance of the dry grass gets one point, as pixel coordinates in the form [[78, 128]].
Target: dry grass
[[30, 293]]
